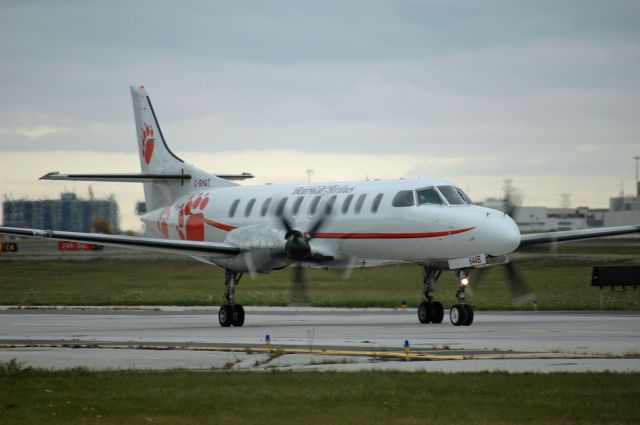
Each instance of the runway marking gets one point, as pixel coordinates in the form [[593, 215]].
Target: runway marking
[[290, 350], [604, 332]]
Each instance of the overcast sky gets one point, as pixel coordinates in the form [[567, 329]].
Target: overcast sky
[[544, 92]]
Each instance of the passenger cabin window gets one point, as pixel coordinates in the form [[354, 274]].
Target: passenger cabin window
[[281, 205], [328, 208], [346, 204], [429, 196], [296, 205], [234, 207], [249, 207], [314, 205], [451, 195], [464, 196], [404, 198], [359, 203], [265, 207], [376, 203]]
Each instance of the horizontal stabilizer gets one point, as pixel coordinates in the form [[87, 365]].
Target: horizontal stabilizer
[[126, 177], [135, 177]]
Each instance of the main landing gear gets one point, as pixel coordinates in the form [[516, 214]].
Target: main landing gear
[[230, 313], [430, 311]]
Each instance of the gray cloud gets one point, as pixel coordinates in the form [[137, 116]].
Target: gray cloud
[[506, 87]]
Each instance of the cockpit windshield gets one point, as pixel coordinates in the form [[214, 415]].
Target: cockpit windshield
[[429, 195], [452, 196], [464, 196]]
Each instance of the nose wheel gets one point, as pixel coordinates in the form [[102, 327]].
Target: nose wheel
[[461, 315]]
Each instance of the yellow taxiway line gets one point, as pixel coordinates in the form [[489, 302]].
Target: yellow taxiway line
[[289, 350]]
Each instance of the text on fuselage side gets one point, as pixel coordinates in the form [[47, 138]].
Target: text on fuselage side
[[322, 190], [201, 182]]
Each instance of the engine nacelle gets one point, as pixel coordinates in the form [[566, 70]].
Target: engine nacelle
[[263, 245]]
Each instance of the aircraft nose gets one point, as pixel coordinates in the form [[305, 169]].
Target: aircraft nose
[[501, 232], [510, 234]]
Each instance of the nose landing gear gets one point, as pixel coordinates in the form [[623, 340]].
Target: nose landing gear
[[461, 314]]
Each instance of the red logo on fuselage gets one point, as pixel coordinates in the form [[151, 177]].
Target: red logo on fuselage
[[191, 219], [163, 221], [147, 142]]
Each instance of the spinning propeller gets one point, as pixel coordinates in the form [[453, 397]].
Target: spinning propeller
[[518, 288], [298, 249]]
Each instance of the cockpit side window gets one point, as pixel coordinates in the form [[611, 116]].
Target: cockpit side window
[[464, 196], [404, 198], [429, 195], [451, 195]]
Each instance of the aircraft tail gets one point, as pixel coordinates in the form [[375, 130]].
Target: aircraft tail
[[157, 159]]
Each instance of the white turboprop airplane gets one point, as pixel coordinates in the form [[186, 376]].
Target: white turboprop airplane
[[260, 229]]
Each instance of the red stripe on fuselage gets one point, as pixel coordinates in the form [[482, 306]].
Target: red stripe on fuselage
[[220, 226], [328, 235], [389, 235]]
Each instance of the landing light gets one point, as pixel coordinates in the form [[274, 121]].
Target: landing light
[[464, 281]]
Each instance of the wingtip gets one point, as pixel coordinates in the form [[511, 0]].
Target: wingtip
[[49, 176]]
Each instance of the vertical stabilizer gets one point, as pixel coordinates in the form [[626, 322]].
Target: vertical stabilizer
[[157, 158]]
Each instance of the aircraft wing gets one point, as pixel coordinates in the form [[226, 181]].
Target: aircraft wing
[[575, 235], [152, 244]]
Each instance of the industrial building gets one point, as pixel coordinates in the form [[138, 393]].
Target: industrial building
[[68, 213], [623, 210]]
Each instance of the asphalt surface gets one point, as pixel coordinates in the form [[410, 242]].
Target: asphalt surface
[[316, 338]]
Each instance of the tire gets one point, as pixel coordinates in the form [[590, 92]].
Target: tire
[[425, 312], [225, 316], [469, 319], [238, 315], [438, 312], [458, 314]]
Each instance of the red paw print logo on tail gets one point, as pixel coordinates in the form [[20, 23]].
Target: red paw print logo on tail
[[147, 142], [191, 220]]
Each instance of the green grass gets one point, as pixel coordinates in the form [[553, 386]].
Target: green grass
[[184, 397], [188, 282]]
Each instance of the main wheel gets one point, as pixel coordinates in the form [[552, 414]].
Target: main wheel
[[238, 315], [425, 312], [438, 312], [225, 316], [458, 314], [469, 319]]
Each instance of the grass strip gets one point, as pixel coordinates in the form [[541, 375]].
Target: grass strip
[[188, 282], [187, 397]]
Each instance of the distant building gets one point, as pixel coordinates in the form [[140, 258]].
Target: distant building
[[68, 213], [623, 210]]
